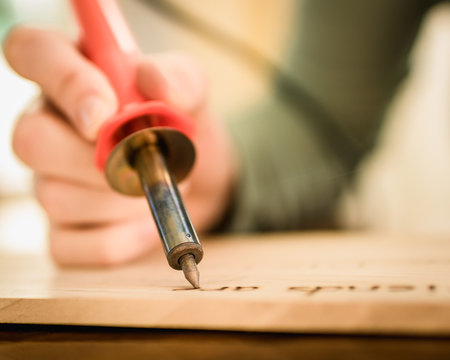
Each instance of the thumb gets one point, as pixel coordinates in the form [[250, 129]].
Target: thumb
[[68, 79], [174, 78]]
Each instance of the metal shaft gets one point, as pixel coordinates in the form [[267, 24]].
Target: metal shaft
[[176, 231]]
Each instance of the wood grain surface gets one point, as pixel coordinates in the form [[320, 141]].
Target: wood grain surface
[[337, 283]]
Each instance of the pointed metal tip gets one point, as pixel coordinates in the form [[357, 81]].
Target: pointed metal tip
[[193, 278], [190, 270]]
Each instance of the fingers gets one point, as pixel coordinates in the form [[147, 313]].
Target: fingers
[[89, 223], [174, 78], [50, 147], [72, 204], [73, 84], [83, 93], [102, 245]]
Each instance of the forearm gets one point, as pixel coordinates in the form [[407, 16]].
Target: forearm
[[299, 149], [287, 178]]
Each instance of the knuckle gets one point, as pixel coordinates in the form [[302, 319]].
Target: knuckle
[[108, 254], [70, 79], [100, 251], [55, 250], [191, 66], [12, 42], [18, 40], [57, 247], [100, 244], [51, 197], [24, 140]]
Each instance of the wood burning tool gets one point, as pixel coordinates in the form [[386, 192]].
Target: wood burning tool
[[145, 148]]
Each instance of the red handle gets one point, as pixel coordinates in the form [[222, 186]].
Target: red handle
[[107, 42]]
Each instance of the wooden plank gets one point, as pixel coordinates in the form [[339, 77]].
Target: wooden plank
[[299, 282]]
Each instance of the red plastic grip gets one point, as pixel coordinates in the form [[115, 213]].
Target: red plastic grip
[[107, 41]]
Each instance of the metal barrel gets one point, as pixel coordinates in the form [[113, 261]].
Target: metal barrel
[[176, 231]]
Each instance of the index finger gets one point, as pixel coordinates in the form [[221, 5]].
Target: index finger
[[71, 82]]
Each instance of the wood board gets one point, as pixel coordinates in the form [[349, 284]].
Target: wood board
[[297, 282]]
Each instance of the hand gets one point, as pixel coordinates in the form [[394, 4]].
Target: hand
[[89, 222]]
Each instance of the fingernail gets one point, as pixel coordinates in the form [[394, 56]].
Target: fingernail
[[93, 111]]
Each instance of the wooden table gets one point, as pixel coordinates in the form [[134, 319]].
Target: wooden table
[[292, 293], [80, 342]]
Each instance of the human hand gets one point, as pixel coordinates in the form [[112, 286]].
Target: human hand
[[90, 223]]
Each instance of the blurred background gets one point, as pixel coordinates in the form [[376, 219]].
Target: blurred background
[[403, 186]]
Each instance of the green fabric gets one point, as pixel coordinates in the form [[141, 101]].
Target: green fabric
[[299, 148], [6, 18]]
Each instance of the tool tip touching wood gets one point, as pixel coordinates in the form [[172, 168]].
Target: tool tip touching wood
[[146, 148], [190, 270]]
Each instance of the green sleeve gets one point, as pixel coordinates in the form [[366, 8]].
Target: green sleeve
[[6, 18], [299, 148]]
